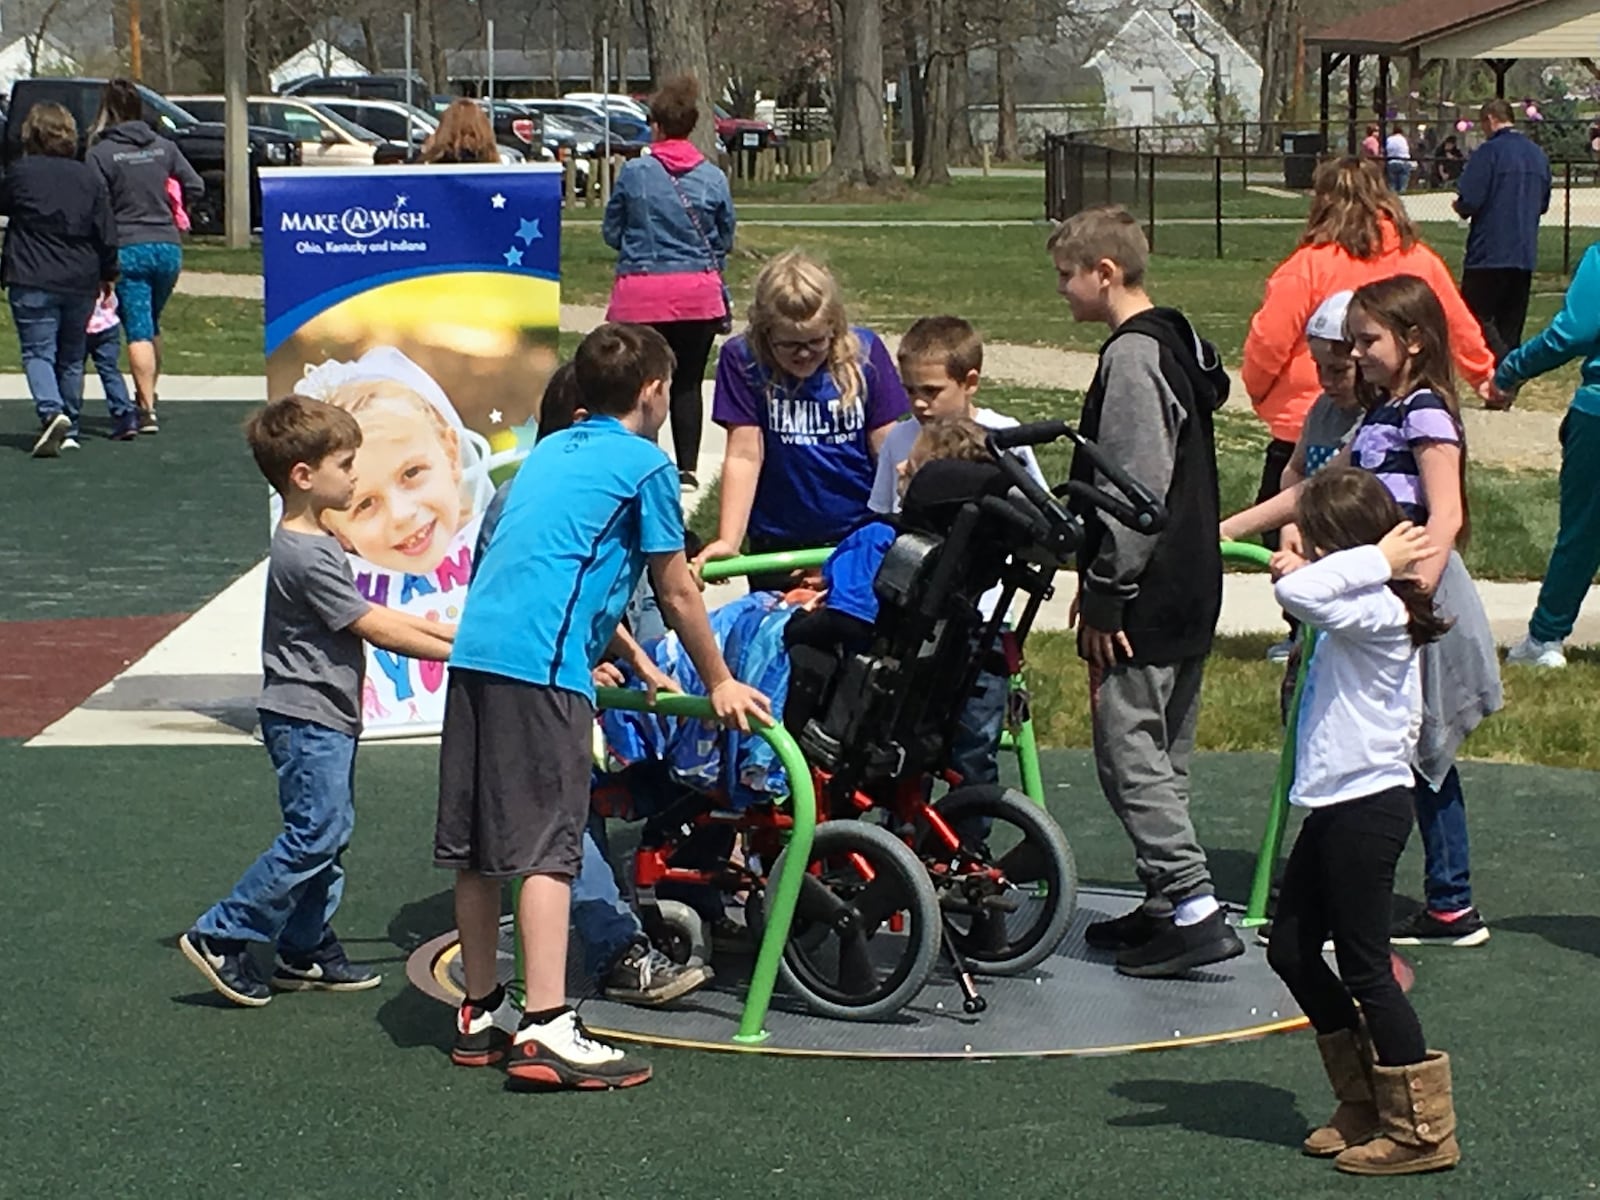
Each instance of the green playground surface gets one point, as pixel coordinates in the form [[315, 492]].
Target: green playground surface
[[127, 1078]]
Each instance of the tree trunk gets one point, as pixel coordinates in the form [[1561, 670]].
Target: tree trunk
[[1007, 146], [860, 153], [916, 103], [678, 47], [932, 156], [963, 151], [426, 40], [1267, 100]]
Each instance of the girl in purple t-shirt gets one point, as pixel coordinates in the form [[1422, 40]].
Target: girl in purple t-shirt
[[807, 401]]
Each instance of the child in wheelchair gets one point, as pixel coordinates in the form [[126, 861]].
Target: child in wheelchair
[[871, 676]]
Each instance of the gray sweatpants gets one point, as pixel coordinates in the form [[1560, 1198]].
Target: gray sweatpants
[[1144, 720]]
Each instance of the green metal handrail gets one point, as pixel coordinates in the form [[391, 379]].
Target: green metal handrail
[[1255, 912], [718, 569], [781, 897]]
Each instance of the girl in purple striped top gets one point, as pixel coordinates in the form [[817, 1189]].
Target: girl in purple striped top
[[1411, 438]]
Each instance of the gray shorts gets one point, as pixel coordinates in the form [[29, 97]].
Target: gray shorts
[[514, 763]]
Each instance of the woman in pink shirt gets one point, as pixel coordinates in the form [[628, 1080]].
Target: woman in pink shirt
[[670, 219]]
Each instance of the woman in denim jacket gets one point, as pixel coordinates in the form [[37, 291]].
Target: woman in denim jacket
[[670, 219]]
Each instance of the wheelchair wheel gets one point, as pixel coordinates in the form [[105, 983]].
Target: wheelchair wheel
[[678, 932], [1009, 893], [842, 957]]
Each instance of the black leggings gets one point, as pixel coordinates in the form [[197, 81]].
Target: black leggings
[[691, 341], [1340, 881]]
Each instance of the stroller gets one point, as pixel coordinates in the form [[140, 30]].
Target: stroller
[[894, 877]]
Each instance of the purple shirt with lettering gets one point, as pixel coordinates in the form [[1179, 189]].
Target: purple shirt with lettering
[[1387, 443], [816, 469]]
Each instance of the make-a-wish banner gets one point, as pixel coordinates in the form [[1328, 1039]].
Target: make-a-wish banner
[[425, 300]]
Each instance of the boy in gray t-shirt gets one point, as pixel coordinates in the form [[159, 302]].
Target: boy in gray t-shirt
[[312, 660]]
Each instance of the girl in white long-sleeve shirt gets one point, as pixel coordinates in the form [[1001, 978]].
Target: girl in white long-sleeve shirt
[[1360, 712]]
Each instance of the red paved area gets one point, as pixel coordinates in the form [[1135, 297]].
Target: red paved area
[[48, 668]]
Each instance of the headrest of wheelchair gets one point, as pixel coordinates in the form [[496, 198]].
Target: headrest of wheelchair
[[939, 489]]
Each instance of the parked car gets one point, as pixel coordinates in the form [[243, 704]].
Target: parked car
[[744, 133], [613, 100], [397, 122], [326, 139], [518, 126], [362, 87], [200, 141], [629, 135]]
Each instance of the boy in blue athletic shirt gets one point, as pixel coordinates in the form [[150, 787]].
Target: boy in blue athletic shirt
[[589, 509]]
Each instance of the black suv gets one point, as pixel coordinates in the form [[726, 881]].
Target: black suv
[[200, 141]]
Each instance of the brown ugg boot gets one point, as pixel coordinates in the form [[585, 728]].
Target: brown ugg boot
[[1419, 1121], [1347, 1058]]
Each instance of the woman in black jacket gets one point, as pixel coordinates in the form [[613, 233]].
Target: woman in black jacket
[[60, 255]]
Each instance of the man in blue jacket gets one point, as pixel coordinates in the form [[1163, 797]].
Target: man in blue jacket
[[1503, 191]]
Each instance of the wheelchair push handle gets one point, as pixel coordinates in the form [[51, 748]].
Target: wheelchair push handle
[[1136, 507]]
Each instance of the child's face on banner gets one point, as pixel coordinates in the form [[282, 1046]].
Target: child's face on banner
[[407, 503]]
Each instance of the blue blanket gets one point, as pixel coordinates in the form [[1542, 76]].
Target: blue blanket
[[741, 769]]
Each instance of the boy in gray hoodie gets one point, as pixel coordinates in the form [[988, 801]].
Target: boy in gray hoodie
[[1147, 604]]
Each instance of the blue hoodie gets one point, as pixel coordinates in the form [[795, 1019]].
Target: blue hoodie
[[1504, 190], [1575, 331]]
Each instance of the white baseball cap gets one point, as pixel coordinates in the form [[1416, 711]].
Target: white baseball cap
[[1327, 322]]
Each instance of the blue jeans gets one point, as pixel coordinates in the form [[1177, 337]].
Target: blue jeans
[[1442, 821], [975, 746], [289, 895], [1398, 171], [105, 351], [51, 330], [604, 922]]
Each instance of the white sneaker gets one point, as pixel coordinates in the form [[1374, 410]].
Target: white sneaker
[[1533, 653], [560, 1053], [70, 443], [51, 434], [1279, 652]]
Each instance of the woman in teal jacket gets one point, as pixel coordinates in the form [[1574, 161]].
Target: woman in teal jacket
[[1575, 557]]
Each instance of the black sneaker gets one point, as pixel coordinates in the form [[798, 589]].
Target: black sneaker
[[644, 975], [561, 1054], [227, 967], [482, 1033], [325, 969], [1180, 948], [1422, 928], [1124, 932], [1264, 936], [687, 481]]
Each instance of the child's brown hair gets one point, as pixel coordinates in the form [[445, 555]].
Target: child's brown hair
[[1408, 308], [793, 287], [950, 341], [1340, 508], [294, 430], [1106, 231], [615, 362]]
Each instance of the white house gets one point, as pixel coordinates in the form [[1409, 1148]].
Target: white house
[[1156, 60], [319, 58], [16, 60]]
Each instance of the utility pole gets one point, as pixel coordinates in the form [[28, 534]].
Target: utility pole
[[236, 197], [135, 41]]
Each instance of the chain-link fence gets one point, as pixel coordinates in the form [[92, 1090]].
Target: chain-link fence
[[1241, 190]]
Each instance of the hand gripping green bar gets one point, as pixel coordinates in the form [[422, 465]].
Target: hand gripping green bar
[[1023, 743], [782, 896], [1255, 912]]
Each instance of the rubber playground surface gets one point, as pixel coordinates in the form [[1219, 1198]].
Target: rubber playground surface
[[124, 1078]]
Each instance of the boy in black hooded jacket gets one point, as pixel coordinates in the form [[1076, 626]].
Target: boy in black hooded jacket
[[1147, 604]]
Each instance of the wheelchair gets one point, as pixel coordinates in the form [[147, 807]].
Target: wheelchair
[[895, 878]]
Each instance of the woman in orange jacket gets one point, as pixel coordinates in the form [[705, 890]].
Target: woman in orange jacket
[[1358, 232]]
